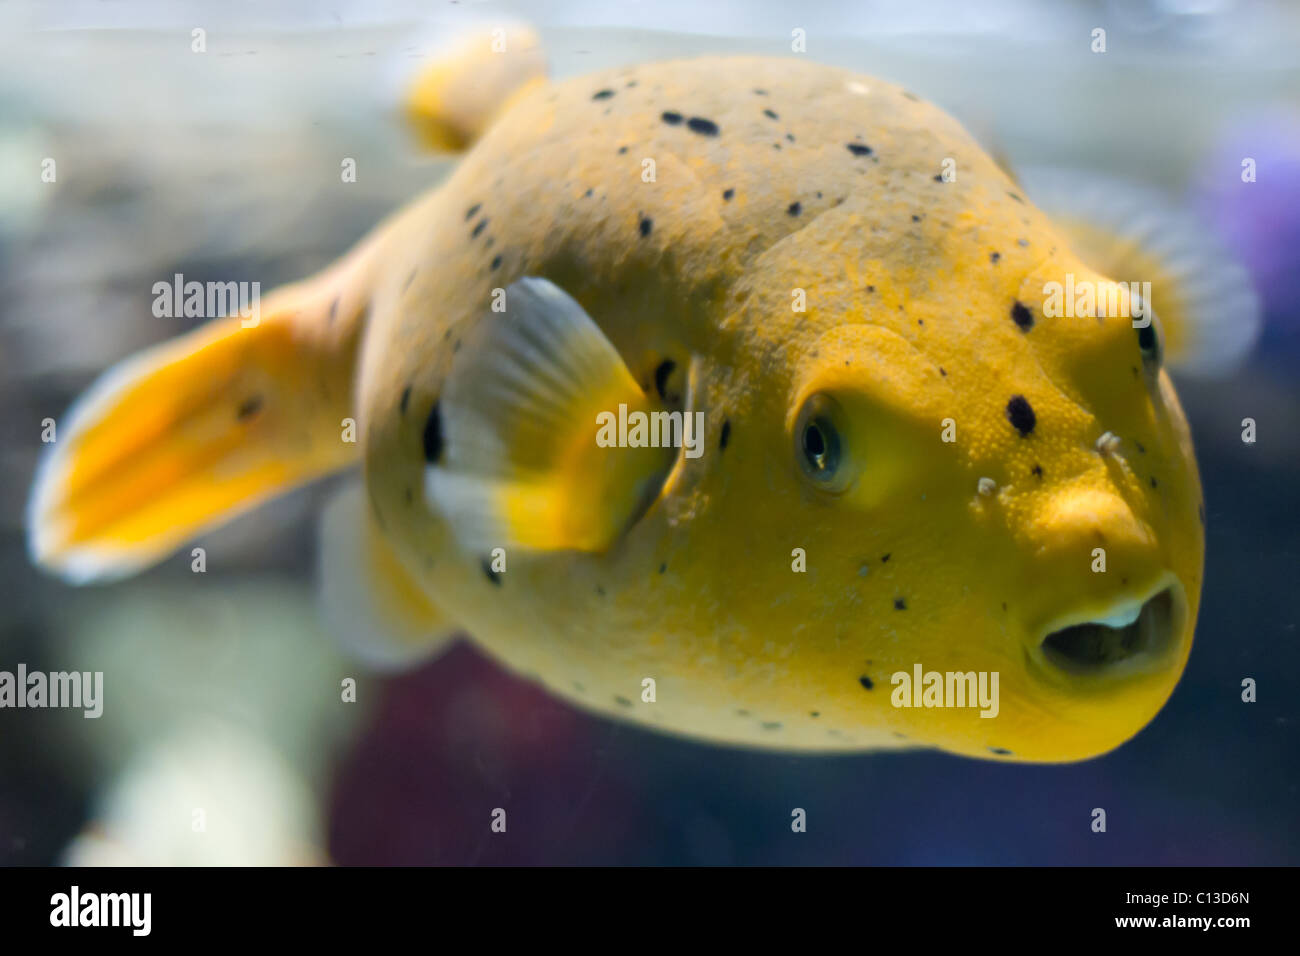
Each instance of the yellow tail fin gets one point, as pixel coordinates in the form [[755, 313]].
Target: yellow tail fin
[[452, 102], [188, 434]]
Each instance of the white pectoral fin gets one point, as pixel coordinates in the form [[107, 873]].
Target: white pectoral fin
[[368, 598], [528, 462], [1203, 296]]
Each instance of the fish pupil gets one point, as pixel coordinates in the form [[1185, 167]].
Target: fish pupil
[[1147, 340], [820, 447], [814, 445]]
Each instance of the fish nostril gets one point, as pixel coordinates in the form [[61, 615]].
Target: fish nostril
[[1097, 648]]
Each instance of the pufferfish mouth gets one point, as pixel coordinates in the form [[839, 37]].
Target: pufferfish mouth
[[1132, 635]]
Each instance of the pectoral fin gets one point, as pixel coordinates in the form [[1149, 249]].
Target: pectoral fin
[[1204, 298], [531, 415]]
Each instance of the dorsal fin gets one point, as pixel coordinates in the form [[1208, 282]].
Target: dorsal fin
[[454, 100]]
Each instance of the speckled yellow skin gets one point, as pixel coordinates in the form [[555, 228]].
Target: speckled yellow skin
[[908, 322]]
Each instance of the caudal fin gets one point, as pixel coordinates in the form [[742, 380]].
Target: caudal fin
[[188, 434]]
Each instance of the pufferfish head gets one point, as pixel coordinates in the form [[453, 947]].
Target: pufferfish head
[[988, 492]]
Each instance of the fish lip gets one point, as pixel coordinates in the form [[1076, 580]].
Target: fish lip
[[1104, 653]]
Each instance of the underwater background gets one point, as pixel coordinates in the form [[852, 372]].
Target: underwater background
[[222, 688]]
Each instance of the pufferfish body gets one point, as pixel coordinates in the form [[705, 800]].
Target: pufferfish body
[[724, 396]]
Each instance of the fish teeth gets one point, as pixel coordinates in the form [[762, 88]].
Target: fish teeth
[[1122, 617]]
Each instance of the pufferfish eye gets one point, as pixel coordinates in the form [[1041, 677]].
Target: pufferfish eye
[[819, 442], [1151, 341]]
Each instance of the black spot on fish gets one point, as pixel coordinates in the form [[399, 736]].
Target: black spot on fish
[[662, 372], [472, 211], [915, 99], [794, 209], [915, 218], [248, 408], [942, 372], [406, 399], [622, 150], [1021, 415], [1140, 448], [663, 568], [1000, 752], [646, 225], [671, 118], [482, 224], [865, 681], [900, 604], [1037, 472], [496, 261], [770, 115], [698, 124], [761, 92], [771, 725], [814, 713], [726, 435], [587, 194], [602, 94], [994, 257], [884, 557], [871, 288], [1022, 317], [631, 83], [1022, 242], [433, 435], [622, 701], [790, 137], [493, 576], [727, 194], [938, 177], [859, 149], [1014, 196], [1154, 483]]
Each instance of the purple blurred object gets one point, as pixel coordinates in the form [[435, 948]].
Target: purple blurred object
[[454, 741], [1260, 221]]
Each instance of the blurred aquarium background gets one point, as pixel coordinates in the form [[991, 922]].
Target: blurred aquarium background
[[223, 689]]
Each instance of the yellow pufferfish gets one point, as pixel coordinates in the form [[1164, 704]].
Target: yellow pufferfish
[[908, 465]]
